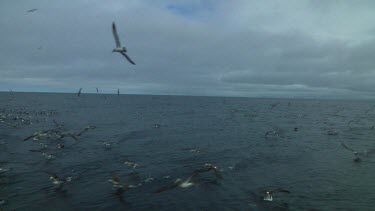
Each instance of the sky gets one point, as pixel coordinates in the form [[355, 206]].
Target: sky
[[245, 48]]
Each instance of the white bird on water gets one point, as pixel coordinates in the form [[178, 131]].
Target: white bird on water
[[118, 48]]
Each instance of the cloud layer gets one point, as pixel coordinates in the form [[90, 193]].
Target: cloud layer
[[251, 48]]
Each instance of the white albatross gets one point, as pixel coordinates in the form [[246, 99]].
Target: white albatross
[[118, 48]]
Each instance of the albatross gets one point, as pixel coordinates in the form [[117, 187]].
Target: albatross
[[119, 48]]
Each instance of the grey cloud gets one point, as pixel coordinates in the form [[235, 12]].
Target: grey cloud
[[242, 48]]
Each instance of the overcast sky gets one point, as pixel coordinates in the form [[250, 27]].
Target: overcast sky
[[278, 48]]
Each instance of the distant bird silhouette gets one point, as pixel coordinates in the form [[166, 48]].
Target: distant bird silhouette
[[118, 48], [273, 105], [79, 92], [97, 90], [118, 91], [32, 10]]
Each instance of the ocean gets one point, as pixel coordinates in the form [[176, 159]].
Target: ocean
[[148, 142]]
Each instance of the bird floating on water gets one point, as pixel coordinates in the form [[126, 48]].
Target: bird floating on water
[[268, 193], [356, 154], [59, 182], [118, 48]]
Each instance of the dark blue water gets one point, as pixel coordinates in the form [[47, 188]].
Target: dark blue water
[[302, 154]]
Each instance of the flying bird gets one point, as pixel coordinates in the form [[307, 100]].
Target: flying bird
[[209, 167], [118, 48], [79, 92], [32, 10]]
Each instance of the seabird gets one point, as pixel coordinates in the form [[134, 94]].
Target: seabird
[[79, 92], [118, 48], [187, 183], [209, 167], [157, 125], [357, 154], [36, 136], [268, 194], [89, 127], [119, 187], [32, 10], [332, 132], [355, 121], [178, 183], [115, 181], [130, 164], [273, 105], [56, 180], [97, 90], [63, 134], [274, 132], [118, 92], [59, 182], [3, 170], [48, 156]]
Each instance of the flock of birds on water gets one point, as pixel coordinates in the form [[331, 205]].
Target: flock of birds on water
[[18, 118], [14, 118], [55, 137]]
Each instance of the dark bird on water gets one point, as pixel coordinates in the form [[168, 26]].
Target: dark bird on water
[[118, 48], [32, 10]]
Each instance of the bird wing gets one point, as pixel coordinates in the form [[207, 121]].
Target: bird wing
[[115, 35], [160, 190], [72, 136], [85, 129], [279, 190], [32, 10], [216, 171], [127, 57], [346, 147], [32, 136]]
